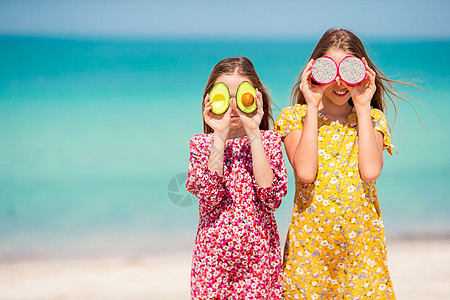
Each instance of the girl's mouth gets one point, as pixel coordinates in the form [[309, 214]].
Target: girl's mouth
[[341, 93]]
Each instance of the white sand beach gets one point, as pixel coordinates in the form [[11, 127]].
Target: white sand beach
[[419, 270]]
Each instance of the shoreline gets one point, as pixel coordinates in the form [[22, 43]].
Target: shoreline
[[418, 268]]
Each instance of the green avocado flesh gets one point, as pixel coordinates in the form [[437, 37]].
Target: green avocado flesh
[[242, 99], [220, 97]]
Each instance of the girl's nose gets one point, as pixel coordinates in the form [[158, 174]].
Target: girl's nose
[[338, 81], [233, 107]]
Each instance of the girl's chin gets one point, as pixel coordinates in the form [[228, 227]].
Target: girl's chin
[[236, 124]]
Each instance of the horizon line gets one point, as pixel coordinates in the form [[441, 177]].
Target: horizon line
[[223, 37]]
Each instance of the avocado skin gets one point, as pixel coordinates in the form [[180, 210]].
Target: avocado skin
[[246, 87], [220, 90]]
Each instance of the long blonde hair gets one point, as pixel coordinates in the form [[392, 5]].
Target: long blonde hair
[[244, 67]]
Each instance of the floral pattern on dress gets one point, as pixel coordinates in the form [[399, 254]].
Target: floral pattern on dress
[[335, 246], [237, 249]]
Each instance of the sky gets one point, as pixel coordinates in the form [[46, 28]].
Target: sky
[[225, 19]]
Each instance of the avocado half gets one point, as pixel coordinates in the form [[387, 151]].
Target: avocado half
[[246, 97], [220, 97]]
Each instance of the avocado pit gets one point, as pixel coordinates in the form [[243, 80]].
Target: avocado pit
[[247, 99]]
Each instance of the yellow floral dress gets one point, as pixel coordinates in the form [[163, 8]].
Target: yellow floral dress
[[335, 247]]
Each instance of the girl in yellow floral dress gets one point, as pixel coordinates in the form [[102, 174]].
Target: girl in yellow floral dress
[[334, 138]]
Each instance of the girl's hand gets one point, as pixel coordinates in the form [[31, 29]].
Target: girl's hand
[[218, 123], [252, 120], [362, 93], [312, 93]]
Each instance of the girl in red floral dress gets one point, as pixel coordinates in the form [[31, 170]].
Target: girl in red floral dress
[[237, 171]]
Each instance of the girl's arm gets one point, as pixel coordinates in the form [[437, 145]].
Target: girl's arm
[[302, 145], [370, 146], [220, 124], [370, 142], [269, 169], [216, 157], [207, 185], [271, 195], [261, 167], [205, 175]]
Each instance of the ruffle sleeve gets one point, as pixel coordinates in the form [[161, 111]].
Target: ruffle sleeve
[[204, 184], [271, 196], [380, 124], [290, 118]]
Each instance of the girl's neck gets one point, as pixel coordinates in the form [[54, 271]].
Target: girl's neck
[[333, 112]]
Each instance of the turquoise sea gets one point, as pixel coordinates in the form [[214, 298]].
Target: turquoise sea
[[94, 140]]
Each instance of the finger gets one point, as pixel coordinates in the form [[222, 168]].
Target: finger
[[206, 100], [372, 72], [307, 71], [229, 109], [364, 61], [309, 65], [207, 112], [208, 105], [370, 76], [207, 116], [367, 66], [306, 74], [259, 100], [306, 83]]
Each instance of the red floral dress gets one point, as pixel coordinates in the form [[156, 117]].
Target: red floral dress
[[237, 250]]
